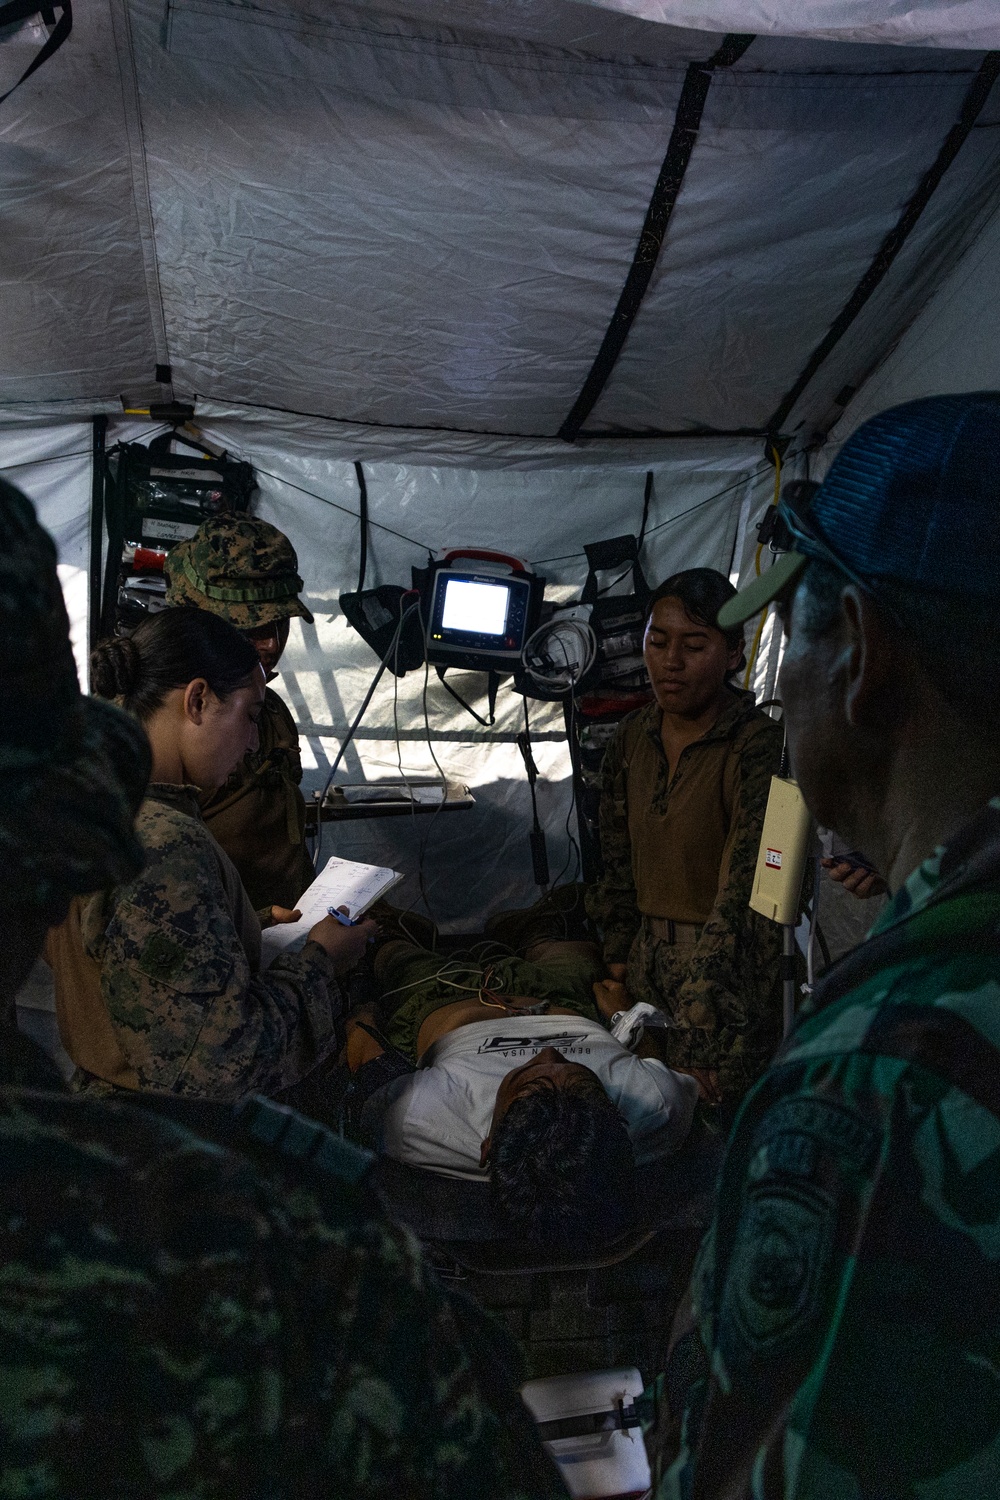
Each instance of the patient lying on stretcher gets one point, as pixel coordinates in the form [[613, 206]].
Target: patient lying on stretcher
[[505, 1068]]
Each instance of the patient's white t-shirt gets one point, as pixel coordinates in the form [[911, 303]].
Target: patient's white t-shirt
[[439, 1116]]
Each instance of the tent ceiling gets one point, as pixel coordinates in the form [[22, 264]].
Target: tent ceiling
[[368, 215], [919, 23]]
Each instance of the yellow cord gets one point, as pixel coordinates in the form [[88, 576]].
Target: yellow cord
[[756, 563]]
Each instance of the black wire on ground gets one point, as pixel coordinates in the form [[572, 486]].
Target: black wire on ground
[[536, 838]]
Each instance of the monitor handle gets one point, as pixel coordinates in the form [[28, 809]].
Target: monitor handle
[[516, 564]]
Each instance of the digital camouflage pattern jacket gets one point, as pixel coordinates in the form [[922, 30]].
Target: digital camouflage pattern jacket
[[686, 848], [848, 1296], [197, 1320], [179, 949], [259, 815]]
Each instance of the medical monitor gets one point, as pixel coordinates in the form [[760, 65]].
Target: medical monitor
[[478, 620]]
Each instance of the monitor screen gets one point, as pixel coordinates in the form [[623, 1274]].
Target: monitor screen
[[479, 608]]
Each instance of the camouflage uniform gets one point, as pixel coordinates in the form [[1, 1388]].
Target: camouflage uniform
[[847, 1296], [179, 950], [185, 1320], [72, 769], [723, 992], [246, 570], [221, 1319], [259, 816]]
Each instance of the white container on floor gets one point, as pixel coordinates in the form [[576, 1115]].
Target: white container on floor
[[595, 1464]]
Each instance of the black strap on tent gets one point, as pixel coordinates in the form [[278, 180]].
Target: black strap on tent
[[21, 10], [972, 105], [442, 668], [687, 123], [363, 516], [647, 496]]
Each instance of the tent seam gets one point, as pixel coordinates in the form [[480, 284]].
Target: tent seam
[[975, 101], [666, 191], [527, 437]]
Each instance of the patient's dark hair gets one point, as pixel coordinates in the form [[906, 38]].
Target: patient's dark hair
[[562, 1170], [703, 592], [168, 651]]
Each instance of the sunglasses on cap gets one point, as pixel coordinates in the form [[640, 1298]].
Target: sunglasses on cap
[[792, 529]]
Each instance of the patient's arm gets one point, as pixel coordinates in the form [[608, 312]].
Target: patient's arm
[[611, 997]]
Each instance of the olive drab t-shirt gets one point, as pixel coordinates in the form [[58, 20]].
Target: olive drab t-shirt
[[258, 817], [685, 847]]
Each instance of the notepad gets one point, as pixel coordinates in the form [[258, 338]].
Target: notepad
[[340, 883]]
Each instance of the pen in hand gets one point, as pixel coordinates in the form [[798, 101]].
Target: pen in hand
[[343, 916]]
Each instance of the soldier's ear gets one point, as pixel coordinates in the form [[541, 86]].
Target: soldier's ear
[[196, 700]]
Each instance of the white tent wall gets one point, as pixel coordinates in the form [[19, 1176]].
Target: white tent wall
[[919, 23], [397, 233], [954, 345], [703, 513], [425, 219]]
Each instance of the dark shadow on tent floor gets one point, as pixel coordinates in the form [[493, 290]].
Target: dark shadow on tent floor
[[595, 1310]]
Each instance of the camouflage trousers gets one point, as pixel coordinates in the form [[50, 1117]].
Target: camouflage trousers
[[736, 1040], [414, 984]]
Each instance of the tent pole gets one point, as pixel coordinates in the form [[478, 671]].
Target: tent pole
[[96, 576]]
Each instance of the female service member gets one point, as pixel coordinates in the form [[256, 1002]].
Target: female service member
[[685, 785], [179, 946]]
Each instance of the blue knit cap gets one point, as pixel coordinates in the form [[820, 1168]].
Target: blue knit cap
[[913, 497]]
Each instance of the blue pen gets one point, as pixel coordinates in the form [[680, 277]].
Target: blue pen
[[347, 921]]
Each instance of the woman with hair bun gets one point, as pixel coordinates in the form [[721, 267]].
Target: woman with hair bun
[[685, 786], [179, 947]]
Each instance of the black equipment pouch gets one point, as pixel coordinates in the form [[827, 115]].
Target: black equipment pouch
[[618, 621], [155, 498], [375, 615], [160, 497]]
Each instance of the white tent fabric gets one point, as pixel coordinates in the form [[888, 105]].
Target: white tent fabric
[[382, 220], [952, 346], [474, 860], [397, 233], [921, 23]]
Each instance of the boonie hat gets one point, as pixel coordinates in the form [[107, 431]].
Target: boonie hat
[[913, 497], [239, 567], [73, 770]]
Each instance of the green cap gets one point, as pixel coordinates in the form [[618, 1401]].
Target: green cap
[[72, 770], [758, 594], [239, 567]]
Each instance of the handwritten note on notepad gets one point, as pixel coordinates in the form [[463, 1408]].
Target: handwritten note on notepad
[[341, 882]]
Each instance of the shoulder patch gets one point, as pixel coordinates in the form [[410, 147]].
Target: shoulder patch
[[803, 1157], [161, 958], [818, 1124], [773, 1289]]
